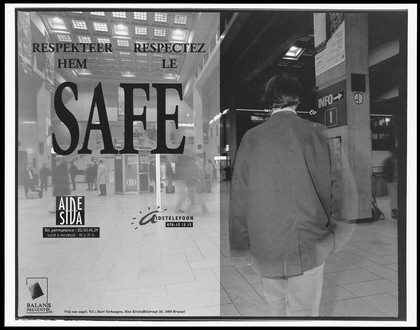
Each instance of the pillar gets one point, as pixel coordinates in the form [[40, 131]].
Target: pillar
[[198, 118], [342, 81]]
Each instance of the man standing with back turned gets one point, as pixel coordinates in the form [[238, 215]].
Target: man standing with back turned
[[285, 203]]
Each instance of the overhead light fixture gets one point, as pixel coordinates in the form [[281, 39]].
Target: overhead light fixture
[[104, 40], [293, 53], [64, 37], [161, 17], [121, 29], [159, 32], [97, 13], [179, 35], [29, 122], [128, 74], [79, 25], [123, 43], [141, 30], [84, 39], [84, 72], [180, 19], [101, 27], [142, 16], [170, 76], [57, 23], [119, 14]]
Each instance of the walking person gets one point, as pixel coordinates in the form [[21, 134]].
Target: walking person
[[73, 170], [102, 178], [215, 170], [189, 168], [95, 175], [27, 176], [89, 176], [285, 203], [60, 180], [208, 173], [44, 173], [391, 179]]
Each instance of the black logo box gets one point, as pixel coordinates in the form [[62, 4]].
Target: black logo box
[[70, 210]]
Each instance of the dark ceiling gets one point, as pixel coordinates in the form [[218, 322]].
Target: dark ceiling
[[261, 39], [255, 43]]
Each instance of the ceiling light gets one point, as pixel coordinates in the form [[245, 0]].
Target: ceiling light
[[104, 40], [180, 19], [84, 39], [170, 76], [178, 35], [128, 74], [79, 25], [57, 23], [121, 29], [125, 53], [293, 53], [97, 13], [118, 14], [140, 16], [123, 43], [103, 27], [159, 33], [140, 30], [161, 17], [84, 72], [64, 37]]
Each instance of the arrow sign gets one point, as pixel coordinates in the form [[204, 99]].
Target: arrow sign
[[338, 96]]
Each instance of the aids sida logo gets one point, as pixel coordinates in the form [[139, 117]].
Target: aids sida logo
[[37, 296]]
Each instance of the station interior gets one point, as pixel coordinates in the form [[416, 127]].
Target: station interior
[[193, 270]]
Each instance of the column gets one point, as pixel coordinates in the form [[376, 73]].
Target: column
[[198, 118], [342, 80]]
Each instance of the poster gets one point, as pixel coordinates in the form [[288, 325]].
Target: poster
[[187, 86], [330, 43]]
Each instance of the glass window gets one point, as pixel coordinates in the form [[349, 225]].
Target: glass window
[[382, 132]]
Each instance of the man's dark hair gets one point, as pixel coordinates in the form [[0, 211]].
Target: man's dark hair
[[283, 90]]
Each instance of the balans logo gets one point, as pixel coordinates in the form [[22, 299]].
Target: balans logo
[[38, 289]]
